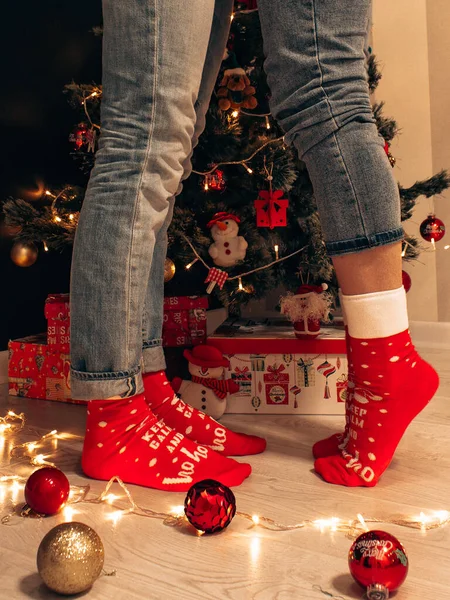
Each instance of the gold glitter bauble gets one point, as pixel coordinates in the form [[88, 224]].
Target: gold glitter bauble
[[24, 255], [70, 558], [169, 270]]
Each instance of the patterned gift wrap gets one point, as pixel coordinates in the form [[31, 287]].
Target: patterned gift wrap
[[57, 313], [287, 375], [184, 320], [243, 377], [39, 370]]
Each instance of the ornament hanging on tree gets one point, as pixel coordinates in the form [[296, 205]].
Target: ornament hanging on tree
[[210, 506], [235, 90], [307, 308], [83, 136], [432, 228], [406, 280], [229, 247], [70, 558], [214, 181], [24, 254], [169, 270], [78, 136], [378, 562], [391, 158], [271, 209], [47, 491]]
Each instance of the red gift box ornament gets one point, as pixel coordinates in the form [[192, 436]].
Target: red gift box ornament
[[271, 209]]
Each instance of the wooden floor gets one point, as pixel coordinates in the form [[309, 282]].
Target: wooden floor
[[154, 561]]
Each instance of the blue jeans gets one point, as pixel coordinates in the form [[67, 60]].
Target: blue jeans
[[160, 65]]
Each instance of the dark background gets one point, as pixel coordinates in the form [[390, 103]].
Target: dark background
[[46, 45]]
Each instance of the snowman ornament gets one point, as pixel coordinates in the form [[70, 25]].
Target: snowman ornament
[[207, 391], [228, 247]]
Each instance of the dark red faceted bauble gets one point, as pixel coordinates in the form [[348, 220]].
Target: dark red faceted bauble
[[432, 229], [47, 490], [210, 506], [406, 280], [378, 559]]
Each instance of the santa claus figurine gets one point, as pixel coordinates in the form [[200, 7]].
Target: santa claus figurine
[[207, 391], [229, 247], [306, 309]]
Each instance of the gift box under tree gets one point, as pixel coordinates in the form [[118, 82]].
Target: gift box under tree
[[279, 373], [39, 370], [57, 313], [184, 320]]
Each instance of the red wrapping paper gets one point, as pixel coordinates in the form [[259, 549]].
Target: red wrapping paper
[[184, 321], [57, 313], [39, 370]]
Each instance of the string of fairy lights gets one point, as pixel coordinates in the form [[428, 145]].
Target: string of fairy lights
[[37, 454]]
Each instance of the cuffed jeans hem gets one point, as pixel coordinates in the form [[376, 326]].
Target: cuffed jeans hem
[[153, 359], [100, 386], [365, 242]]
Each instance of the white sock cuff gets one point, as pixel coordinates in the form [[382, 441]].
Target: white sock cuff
[[341, 301], [376, 315]]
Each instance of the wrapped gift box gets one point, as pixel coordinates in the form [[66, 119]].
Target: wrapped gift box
[[57, 313], [184, 320], [278, 373], [39, 370]]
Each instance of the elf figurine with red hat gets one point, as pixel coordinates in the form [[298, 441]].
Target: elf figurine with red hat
[[229, 247], [207, 391], [307, 308]]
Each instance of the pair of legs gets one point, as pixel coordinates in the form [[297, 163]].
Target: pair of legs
[[159, 69]]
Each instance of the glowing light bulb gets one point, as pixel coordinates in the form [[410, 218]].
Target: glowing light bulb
[[71, 217], [255, 519], [250, 171], [447, 247], [31, 446], [363, 523], [45, 247], [235, 113], [111, 497], [68, 513], [241, 287], [267, 123], [58, 219], [188, 266], [177, 511], [115, 516], [276, 248]]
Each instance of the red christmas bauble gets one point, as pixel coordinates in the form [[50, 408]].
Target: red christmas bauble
[[378, 562], [210, 506], [432, 229], [406, 280], [47, 490]]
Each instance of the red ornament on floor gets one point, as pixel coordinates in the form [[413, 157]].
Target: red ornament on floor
[[47, 490], [210, 506], [406, 280], [432, 229], [378, 562]]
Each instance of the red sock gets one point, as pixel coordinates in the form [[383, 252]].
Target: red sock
[[124, 438], [392, 385], [330, 445], [195, 424]]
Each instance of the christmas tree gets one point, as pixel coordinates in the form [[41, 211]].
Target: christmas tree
[[245, 181]]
